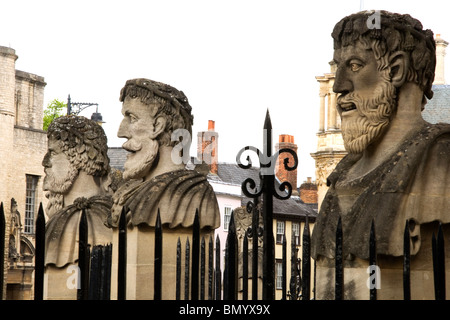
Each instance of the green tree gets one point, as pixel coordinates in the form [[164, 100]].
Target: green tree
[[55, 109]]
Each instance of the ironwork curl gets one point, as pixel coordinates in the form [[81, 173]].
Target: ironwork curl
[[250, 206], [253, 208], [281, 193], [249, 161], [249, 184], [286, 160], [284, 191], [285, 194]]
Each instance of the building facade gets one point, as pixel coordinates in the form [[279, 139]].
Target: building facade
[[23, 145]]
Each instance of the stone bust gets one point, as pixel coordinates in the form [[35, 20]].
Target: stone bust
[[152, 111], [398, 165], [76, 169]]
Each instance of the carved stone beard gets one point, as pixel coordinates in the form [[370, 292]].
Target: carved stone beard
[[374, 117], [57, 188], [141, 158], [55, 202]]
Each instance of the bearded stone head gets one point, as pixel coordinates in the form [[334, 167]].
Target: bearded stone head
[[151, 112], [373, 62], [75, 144]]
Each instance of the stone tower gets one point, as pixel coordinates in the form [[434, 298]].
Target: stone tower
[[23, 144], [8, 59], [441, 44], [330, 146]]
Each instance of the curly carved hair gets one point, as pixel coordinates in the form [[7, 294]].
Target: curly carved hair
[[83, 141], [171, 102], [396, 32]]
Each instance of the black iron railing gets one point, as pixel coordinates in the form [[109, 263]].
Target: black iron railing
[[266, 191], [213, 283]]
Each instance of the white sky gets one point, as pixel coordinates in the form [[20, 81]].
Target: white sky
[[232, 59]]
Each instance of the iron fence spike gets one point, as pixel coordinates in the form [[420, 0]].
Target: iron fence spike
[[245, 267], [157, 274], [178, 271], [186, 269], [40, 255], [339, 265], [217, 273], [306, 262], [284, 267], [195, 257], [122, 256], [267, 121], [202, 268], [83, 257], [373, 260], [210, 268]]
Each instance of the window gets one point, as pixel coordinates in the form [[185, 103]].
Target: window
[[226, 217], [280, 231], [30, 203], [296, 233], [279, 274]]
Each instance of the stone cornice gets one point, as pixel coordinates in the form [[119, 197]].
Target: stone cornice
[[5, 51]]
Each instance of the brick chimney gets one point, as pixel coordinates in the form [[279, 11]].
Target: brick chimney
[[207, 147], [441, 44], [286, 141], [308, 192]]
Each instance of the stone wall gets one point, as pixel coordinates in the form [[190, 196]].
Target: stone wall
[[30, 141], [7, 113], [23, 145], [30, 146], [29, 102]]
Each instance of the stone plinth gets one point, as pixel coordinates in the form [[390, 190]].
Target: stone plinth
[[140, 261], [356, 274], [61, 283]]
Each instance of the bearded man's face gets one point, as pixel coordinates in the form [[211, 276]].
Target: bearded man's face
[[60, 173], [367, 98], [137, 127]]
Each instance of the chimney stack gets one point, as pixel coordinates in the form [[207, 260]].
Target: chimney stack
[[308, 192], [207, 147], [441, 44], [211, 125], [286, 141]]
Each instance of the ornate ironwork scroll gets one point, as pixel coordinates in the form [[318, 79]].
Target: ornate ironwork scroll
[[267, 190]]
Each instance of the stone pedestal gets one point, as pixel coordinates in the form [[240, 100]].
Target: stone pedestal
[[140, 261], [357, 276], [61, 283]]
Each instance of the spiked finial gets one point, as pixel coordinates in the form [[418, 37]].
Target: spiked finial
[[267, 121]]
